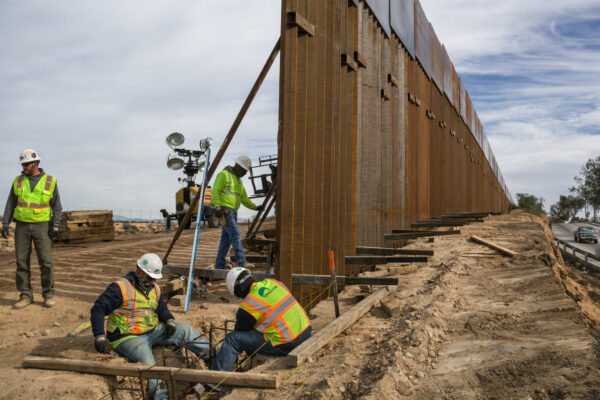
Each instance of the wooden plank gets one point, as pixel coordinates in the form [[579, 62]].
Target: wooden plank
[[401, 236], [388, 251], [325, 280], [173, 285], [494, 246], [241, 379], [334, 328], [378, 260], [431, 224], [205, 273]]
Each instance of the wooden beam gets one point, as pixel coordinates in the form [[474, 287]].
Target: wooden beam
[[206, 273], [377, 260], [402, 236], [303, 25], [405, 230], [334, 328], [242, 379], [494, 246], [323, 280], [435, 224], [388, 251], [253, 258]]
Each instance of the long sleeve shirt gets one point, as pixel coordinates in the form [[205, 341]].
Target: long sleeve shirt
[[11, 202], [112, 299], [224, 187]]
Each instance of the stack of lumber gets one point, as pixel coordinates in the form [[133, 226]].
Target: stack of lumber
[[87, 226]]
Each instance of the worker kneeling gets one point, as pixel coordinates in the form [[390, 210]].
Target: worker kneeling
[[139, 319], [269, 320]]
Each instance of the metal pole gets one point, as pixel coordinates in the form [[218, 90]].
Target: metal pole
[[190, 282], [228, 138]]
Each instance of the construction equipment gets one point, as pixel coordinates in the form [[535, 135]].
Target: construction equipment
[[191, 162]]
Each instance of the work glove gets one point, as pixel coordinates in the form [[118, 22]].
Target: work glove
[[260, 208], [53, 232], [5, 231], [171, 327], [101, 344]]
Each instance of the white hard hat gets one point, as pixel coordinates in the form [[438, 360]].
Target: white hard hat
[[244, 162], [232, 276], [29, 155], [151, 264]]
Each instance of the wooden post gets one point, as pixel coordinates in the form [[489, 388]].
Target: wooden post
[[334, 282], [245, 379]]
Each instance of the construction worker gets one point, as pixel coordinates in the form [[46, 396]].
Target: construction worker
[[227, 194], [34, 203], [139, 319], [269, 320]]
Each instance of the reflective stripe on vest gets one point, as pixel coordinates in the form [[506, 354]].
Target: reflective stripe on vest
[[33, 205], [130, 311], [279, 317], [48, 182], [228, 189]]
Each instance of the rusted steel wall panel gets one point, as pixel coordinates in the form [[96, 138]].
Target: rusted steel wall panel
[[402, 21], [422, 39], [448, 88], [463, 101], [455, 90], [367, 141], [381, 9], [437, 60]]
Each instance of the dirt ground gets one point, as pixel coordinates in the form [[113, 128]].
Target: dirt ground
[[469, 324]]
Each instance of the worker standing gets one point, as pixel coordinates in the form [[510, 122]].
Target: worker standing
[[269, 321], [139, 319], [227, 194], [34, 203]]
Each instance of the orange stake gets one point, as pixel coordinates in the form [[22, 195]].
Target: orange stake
[[334, 282]]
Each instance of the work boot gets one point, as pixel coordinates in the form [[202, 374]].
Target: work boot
[[49, 302], [249, 266], [24, 302]]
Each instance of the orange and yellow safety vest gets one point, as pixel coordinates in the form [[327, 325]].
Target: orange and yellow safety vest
[[279, 317]]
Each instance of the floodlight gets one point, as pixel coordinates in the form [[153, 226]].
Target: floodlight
[[175, 139], [205, 143], [175, 163]]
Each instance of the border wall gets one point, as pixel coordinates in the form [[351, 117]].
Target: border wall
[[376, 131]]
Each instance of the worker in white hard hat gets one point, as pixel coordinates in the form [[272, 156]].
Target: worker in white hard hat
[[139, 319], [269, 320], [227, 194], [35, 206]]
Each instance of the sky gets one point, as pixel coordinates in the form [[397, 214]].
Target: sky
[[96, 86]]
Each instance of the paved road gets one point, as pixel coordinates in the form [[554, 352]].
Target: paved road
[[565, 232]]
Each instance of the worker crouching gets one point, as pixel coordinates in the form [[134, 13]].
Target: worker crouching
[[140, 319], [269, 321]]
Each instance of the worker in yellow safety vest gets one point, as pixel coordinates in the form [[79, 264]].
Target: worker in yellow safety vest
[[269, 321], [227, 194], [139, 319], [35, 205]]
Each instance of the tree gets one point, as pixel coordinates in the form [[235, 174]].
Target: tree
[[588, 186], [530, 203], [566, 208]]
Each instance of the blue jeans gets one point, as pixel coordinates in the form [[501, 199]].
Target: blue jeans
[[139, 349], [238, 341], [230, 236]]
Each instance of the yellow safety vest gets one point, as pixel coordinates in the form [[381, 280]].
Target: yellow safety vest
[[137, 314], [33, 206], [278, 315], [228, 190]]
